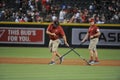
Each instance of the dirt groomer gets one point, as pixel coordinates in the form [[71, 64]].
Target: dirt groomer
[[55, 32], [92, 34]]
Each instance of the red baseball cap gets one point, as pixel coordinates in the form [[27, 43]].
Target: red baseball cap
[[91, 20]]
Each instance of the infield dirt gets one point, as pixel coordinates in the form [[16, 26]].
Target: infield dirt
[[4, 60]]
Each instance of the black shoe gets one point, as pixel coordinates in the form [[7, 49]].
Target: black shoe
[[91, 62], [61, 59], [52, 63]]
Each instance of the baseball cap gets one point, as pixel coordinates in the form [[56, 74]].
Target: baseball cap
[[56, 24], [91, 20]]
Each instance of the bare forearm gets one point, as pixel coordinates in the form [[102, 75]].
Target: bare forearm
[[64, 37], [97, 34], [65, 40], [85, 38], [49, 33]]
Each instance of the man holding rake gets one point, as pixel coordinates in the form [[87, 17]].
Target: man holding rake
[[92, 34], [55, 32]]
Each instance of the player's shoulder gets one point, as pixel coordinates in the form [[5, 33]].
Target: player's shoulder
[[60, 26], [50, 25], [95, 26]]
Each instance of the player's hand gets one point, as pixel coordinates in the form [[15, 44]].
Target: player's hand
[[53, 34], [91, 37], [66, 44], [82, 41]]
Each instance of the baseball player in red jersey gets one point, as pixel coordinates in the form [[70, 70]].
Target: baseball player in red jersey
[[93, 34], [55, 32]]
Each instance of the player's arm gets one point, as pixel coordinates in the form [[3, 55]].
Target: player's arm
[[85, 38], [96, 35], [48, 31], [65, 40], [64, 36]]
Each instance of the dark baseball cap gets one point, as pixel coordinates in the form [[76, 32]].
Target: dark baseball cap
[[56, 23]]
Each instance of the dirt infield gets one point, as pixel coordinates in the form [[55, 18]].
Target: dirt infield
[[65, 62]]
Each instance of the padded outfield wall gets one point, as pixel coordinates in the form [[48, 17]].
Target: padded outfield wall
[[33, 34]]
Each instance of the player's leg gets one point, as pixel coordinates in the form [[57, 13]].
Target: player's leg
[[55, 45], [51, 50], [53, 57], [96, 55], [57, 42], [91, 47], [91, 55], [95, 50], [50, 45], [92, 50], [55, 48]]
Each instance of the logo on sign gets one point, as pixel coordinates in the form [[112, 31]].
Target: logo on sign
[[1, 33]]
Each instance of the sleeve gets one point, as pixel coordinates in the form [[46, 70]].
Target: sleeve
[[97, 29], [49, 27], [62, 31]]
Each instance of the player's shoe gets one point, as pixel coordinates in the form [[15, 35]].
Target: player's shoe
[[91, 62], [96, 62], [52, 63], [61, 59]]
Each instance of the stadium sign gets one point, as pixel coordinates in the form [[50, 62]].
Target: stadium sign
[[108, 36], [22, 35]]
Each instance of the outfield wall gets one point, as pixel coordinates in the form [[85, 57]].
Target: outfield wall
[[33, 34]]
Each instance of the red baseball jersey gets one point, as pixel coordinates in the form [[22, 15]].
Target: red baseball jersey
[[93, 29], [57, 30]]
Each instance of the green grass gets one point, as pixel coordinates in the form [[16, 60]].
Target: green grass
[[57, 72], [34, 52], [24, 52]]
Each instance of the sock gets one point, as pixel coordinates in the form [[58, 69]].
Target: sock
[[96, 59]]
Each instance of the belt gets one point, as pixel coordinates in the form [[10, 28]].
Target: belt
[[93, 37]]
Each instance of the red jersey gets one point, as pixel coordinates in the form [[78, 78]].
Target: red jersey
[[93, 29], [57, 30]]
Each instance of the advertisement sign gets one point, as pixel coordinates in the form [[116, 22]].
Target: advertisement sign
[[22, 35], [108, 36]]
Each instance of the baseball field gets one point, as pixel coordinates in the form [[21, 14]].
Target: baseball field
[[31, 63]]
